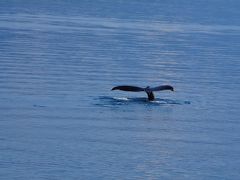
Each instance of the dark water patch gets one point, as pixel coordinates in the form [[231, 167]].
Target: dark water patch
[[39, 106]]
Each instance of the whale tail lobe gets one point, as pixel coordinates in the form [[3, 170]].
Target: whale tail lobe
[[148, 90]]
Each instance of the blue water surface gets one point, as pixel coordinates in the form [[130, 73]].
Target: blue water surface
[[60, 59]]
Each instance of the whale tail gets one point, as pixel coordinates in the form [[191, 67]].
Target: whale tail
[[162, 88], [151, 96], [128, 88], [148, 90]]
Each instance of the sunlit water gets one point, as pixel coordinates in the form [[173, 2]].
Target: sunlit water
[[60, 59]]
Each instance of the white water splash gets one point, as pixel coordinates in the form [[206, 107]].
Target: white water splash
[[121, 98]]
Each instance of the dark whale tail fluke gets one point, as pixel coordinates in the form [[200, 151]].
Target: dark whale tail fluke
[[148, 90], [128, 88]]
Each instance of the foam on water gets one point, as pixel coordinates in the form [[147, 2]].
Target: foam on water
[[121, 98]]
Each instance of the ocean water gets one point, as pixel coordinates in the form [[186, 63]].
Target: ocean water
[[60, 59]]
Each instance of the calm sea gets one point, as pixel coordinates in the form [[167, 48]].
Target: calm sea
[[60, 59]]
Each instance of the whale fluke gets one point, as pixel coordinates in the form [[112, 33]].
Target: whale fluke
[[148, 90], [161, 88], [128, 88]]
